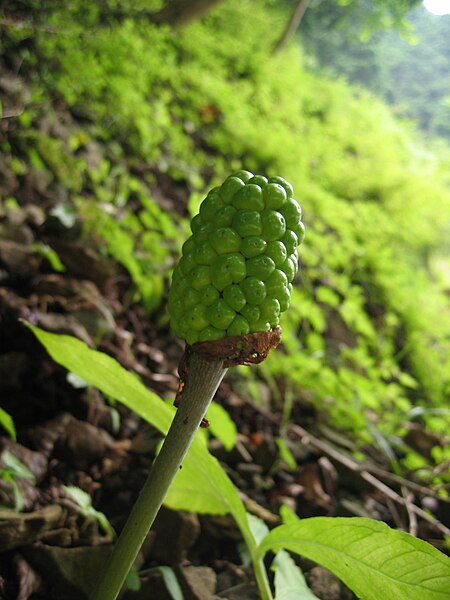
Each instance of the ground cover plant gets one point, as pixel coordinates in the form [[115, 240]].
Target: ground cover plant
[[100, 177]]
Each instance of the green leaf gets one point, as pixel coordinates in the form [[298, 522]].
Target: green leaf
[[19, 503], [407, 381], [286, 454], [371, 559], [327, 296], [133, 581], [16, 466], [84, 501], [105, 373], [201, 485], [221, 425], [171, 581], [80, 497], [8, 424], [287, 515], [289, 581], [258, 528], [11, 468], [47, 252]]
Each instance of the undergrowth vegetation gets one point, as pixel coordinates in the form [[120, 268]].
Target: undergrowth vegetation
[[115, 112]]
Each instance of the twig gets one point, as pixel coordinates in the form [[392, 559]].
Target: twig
[[292, 25], [411, 514], [371, 479]]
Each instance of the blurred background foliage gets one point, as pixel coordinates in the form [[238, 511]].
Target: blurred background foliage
[[407, 65], [132, 123]]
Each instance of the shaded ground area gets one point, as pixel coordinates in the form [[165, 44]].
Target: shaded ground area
[[69, 435]]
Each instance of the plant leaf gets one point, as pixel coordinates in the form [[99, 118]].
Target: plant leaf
[[289, 581], [8, 424], [171, 581], [80, 497], [16, 466], [287, 515], [201, 485], [133, 581], [258, 527], [105, 373], [222, 425], [372, 559], [286, 454], [84, 501]]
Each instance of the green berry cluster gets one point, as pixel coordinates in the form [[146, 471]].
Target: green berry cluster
[[235, 274]]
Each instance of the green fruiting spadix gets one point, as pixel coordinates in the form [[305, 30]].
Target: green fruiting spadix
[[236, 269]]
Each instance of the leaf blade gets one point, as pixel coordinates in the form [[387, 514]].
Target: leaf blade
[[289, 581], [370, 558], [201, 485], [7, 423]]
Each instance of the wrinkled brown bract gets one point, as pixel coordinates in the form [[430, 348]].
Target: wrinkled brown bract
[[250, 349]]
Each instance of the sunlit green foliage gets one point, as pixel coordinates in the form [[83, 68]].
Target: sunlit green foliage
[[411, 71], [366, 334]]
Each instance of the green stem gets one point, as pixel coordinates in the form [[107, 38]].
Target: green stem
[[259, 568], [203, 381], [261, 578]]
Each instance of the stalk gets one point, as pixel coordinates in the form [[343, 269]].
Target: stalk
[[259, 571], [203, 381]]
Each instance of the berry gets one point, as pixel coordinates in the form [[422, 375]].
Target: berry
[[225, 240], [200, 277], [254, 290], [234, 297], [276, 250], [236, 269], [247, 223], [219, 314], [270, 310], [289, 269], [210, 333], [274, 195], [276, 282], [249, 197], [208, 295], [258, 180], [204, 253], [284, 184], [239, 326], [251, 313], [229, 187], [253, 246], [291, 212], [224, 216], [210, 205], [290, 241], [260, 266], [244, 175], [228, 269], [273, 225], [196, 318]]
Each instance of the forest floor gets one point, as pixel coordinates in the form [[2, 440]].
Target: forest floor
[[70, 435]]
